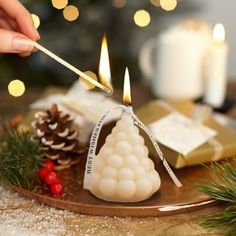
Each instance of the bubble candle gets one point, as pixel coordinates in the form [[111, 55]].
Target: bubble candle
[[122, 170]]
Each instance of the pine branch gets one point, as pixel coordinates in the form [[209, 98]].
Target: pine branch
[[221, 186], [222, 183], [20, 159]]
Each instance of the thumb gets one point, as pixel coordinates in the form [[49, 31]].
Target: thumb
[[13, 42]]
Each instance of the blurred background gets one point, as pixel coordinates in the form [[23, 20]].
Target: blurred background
[[73, 29]]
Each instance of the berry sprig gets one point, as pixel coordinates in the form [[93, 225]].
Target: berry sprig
[[51, 178]]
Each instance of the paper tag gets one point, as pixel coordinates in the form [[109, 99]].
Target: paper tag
[[180, 133]]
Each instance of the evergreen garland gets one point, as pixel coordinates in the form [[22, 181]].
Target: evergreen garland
[[222, 187], [20, 159]]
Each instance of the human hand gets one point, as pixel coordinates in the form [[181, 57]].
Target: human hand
[[16, 28]]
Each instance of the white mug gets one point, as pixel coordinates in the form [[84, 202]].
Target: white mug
[[173, 62]]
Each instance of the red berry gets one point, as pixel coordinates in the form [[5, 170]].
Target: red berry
[[43, 172], [56, 189], [51, 178], [49, 165]]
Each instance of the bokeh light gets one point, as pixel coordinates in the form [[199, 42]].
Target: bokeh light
[[142, 18], [155, 3], [119, 3], [71, 13], [59, 4], [16, 88], [85, 82], [36, 20], [168, 5]]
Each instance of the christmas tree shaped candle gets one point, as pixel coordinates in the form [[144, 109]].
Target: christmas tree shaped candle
[[122, 170]]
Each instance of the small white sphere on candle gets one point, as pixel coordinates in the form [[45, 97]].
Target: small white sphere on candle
[[139, 151], [115, 130], [126, 188], [121, 125], [107, 186], [145, 164], [125, 174], [151, 164], [121, 136], [131, 161], [106, 152], [115, 161], [155, 180], [136, 139], [132, 130], [123, 148], [109, 172], [110, 140], [139, 173], [143, 187]]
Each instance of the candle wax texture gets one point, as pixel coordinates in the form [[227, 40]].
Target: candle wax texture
[[122, 170]]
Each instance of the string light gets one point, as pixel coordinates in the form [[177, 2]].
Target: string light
[[119, 3], [36, 20], [156, 3], [59, 4], [16, 88], [142, 18], [71, 13], [168, 5], [85, 83]]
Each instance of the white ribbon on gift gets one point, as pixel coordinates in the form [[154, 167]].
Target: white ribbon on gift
[[94, 140]]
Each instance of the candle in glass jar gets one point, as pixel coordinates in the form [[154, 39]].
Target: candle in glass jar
[[215, 69]]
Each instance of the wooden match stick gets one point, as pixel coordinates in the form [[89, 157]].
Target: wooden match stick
[[107, 90]]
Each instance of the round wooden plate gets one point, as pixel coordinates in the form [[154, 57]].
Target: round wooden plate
[[168, 200]]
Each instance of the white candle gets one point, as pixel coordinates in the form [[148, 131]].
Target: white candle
[[215, 69], [123, 172]]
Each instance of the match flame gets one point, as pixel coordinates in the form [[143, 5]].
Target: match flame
[[127, 92], [104, 65], [219, 33]]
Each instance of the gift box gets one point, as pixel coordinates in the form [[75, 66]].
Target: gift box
[[221, 146]]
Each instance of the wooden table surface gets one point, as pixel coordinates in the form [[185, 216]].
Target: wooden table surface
[[17, 207]]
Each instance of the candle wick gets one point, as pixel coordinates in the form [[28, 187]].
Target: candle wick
[[129, 109]]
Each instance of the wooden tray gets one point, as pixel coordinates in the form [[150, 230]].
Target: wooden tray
[[168, 200]]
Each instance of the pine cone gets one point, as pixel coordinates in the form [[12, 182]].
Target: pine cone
[[60, 143]]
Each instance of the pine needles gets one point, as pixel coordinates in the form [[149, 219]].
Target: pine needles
[[221, 186], [20, 159]]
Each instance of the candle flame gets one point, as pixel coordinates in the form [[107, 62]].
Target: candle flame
[[104, 65], [127, 92], [219, 33]]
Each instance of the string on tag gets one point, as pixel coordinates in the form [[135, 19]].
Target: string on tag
[[158, 150]]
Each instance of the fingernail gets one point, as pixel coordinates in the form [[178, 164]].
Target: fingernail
[[21, 45], [37, 34]]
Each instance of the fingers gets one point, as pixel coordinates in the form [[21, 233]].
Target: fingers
[[12, 23], [12, 42], [15, 10], [24, 54], [5, 25]]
